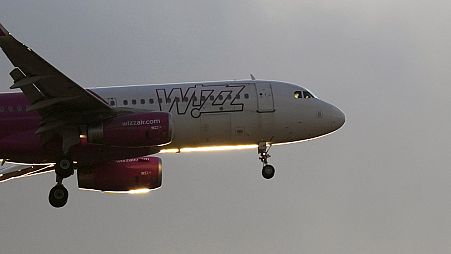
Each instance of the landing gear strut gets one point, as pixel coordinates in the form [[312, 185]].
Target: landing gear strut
[[268, 170], [58, 194]]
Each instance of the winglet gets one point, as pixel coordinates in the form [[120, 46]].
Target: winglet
[[3, 31]]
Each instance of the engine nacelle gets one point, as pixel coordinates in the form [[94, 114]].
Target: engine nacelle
[[135, 130], [124, 175]]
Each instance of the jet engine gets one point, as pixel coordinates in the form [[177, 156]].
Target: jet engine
[[123, 175], [135, 130]]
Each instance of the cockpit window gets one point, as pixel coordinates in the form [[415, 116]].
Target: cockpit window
[[307, 95], [303, 94], [298, 94]]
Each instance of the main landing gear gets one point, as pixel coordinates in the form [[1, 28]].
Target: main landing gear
[[58, 195], [268, 170]]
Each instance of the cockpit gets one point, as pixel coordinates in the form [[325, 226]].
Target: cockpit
[[303, 95]]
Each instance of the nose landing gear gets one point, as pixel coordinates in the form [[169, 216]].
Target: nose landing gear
[[268, 170]]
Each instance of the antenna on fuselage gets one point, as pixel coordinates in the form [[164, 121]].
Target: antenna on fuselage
[[252, 76]]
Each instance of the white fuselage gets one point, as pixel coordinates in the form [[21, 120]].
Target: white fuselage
[[227, 113]]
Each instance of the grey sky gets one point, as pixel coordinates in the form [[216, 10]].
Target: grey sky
[[381, 184]]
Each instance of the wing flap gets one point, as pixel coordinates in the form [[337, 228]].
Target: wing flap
[[49, 102], [28, 81], [32, 92]]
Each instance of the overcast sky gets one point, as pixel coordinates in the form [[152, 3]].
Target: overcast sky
[[381, 184]]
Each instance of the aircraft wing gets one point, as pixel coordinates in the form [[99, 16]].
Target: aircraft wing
[[59, 100], [11, 171]]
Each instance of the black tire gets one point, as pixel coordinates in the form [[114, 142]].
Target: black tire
[[268, 171], [58, 196], [64, 167]]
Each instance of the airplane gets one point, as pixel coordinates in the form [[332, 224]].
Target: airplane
[[109, 134]]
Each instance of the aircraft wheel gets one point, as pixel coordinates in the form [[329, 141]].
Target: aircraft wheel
[[268, 171], [64, 167], [58, 196]]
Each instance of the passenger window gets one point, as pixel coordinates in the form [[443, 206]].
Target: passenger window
[[125, 102], [10, 108], [229, 97], [298, 94], [151, 101], [246, 96], [134, 102], [2, 109], [19, 108], [112, 103], [177, 99], [307, 95], [237, 96], [168, 100], [212, 98], [220, 97], [143, 101], [185, 99]]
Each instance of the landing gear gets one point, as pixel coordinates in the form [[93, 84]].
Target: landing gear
[[64, 167], [58, 195], [268, 170]]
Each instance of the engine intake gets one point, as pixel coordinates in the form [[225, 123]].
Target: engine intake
[[136, 130], [124, 175]]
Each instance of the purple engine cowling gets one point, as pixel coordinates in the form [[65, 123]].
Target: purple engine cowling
[[136, 130], [124, 175]]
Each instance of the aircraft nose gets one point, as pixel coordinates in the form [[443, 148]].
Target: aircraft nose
[[334, 117], [337, 118]]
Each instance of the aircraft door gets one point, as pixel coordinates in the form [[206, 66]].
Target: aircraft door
[[265, 100]]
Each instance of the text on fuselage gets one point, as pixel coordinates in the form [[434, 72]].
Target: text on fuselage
[[200, 99]]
